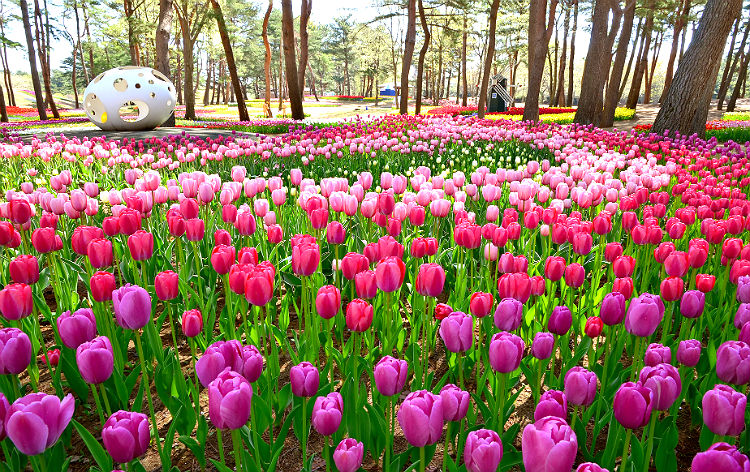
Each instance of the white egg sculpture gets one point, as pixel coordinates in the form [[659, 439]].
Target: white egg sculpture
[[129, 98]]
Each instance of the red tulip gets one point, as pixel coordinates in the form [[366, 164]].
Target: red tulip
[[480, 304], [305, 258], [194, 229], [141, 245], [275, 234], [24, 269], [352, 264], [358, 315], [554, 268], [16, 301], [6, 233], [430, 279], [574, 275], [623, 266], [129, 221], [612, 251], [259, 284], [538, 285], [672, 288], [222, 236], [100, 253], [335, 233], [623, 285], [20, 211], [222, 258], [442, 311], [516, 285], [82, 236], [192, 323], [390, 273], [365, 283], [102, 285], [594, 326], [111, 226], [166, 285], [45, 240], [328, 301], [705, 282]]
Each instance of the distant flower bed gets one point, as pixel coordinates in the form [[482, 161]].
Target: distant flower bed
[[18, 125], [737, 131], [459, 110]]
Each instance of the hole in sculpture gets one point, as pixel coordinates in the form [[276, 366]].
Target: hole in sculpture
[[137, 86], [153, 95], [129, 67], [151, 81], [120, 84], [98, 78], [169, 103], [159, 75], [140, 74], [133, 111]]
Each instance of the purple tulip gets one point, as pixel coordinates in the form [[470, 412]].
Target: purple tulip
[[4, 408], [591, 467], [744, 335], [457, 331], [612, 310], [720, 456], [305, 379], [733, 362], [455, 402], [508, 314], [95, 360], [126, 435], [692, 303], [657, 354], [421, 418], [742, 315], [549, 445], [35, 422], [483, 451], [348, 455], [542, 346], [633, 404], [689, 352], [664, 382], [390, 375], [506, 352], [77, 327], [229, 399], [15, 351], [724, 410], [252, 363], [743, 289], [580, 386], [217, 357], [644, 315], [327, 413], [132, 306], [560, 320], [552, 403]]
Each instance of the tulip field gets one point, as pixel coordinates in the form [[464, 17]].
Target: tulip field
[[398, 294]]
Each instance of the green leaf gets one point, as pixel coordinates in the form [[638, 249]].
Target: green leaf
[[97, 451], [665, 458]]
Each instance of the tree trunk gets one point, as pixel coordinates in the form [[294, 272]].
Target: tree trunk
[[3, 109], [130, 18], [163, 30], [680, 21], [652, 70], [32, 61], [633, 54], [207, 90], [409, 44], [739, 86], [560, 93], [539, 36], [304, 18], [482, 107], [420, 60], [74, 77], [267, 62], [465, 91], [41, 41], [231, 65], [727, 79], [686, 105], [187, 64], [642, 63], [598, 59], [290, 60], [569, 101], [612, 95]]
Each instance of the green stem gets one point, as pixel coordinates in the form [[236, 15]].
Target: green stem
[[236, 445], [422, 465], [327, 452], [147, 392], [650, 447], [107, 408], [500, 400], [624, 462], [304, 431], [220, 446], [98, 404], [171, 325]]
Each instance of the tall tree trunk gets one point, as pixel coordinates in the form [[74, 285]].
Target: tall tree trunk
[[130, 18], [161, 42], [281, 77], [74, 77], [32, 61], [740, 85], [304, 18], [231, 65], [633, 54], [560, 93], [458, 84], [685, 107], [735, 61], [612, 95], [3, 109], [420, 60], [482, 107], [79, 47], [650, 75], [312, 82], [539, 35], [409, 44], [187, 63], [569, 100], [642, 63], [41, 41], [267, 62], [595, 71], [88, 40], [465, 91], [290, 60], [680, 21]]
